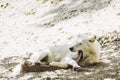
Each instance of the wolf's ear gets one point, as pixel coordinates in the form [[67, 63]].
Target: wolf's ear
[[92, 39]]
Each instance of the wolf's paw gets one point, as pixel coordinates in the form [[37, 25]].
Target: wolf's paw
[[76, 68]]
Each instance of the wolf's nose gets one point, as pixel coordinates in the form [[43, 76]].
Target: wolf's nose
[[71, 49]]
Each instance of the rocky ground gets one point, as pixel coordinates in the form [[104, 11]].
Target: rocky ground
[[26, 26], [109, 70]]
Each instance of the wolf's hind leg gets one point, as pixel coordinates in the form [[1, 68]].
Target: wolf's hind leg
[[38, 56]]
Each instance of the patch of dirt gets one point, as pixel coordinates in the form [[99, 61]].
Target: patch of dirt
[[109, 70]]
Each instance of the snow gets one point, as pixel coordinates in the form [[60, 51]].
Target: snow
[[22, 26]]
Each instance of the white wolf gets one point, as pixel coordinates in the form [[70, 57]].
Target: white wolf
[[65, 55]]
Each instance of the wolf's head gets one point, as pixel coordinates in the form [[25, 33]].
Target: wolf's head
[[84, 43], [87, 46]]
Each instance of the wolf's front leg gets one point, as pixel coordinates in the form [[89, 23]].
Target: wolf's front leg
[[59, 64], [71, 62]]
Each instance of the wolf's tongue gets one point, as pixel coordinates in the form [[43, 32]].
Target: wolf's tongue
[[80, 56]]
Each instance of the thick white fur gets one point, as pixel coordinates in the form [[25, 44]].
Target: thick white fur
[[61, 56]]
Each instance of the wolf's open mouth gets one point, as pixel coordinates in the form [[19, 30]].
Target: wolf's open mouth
[[80, 56]]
